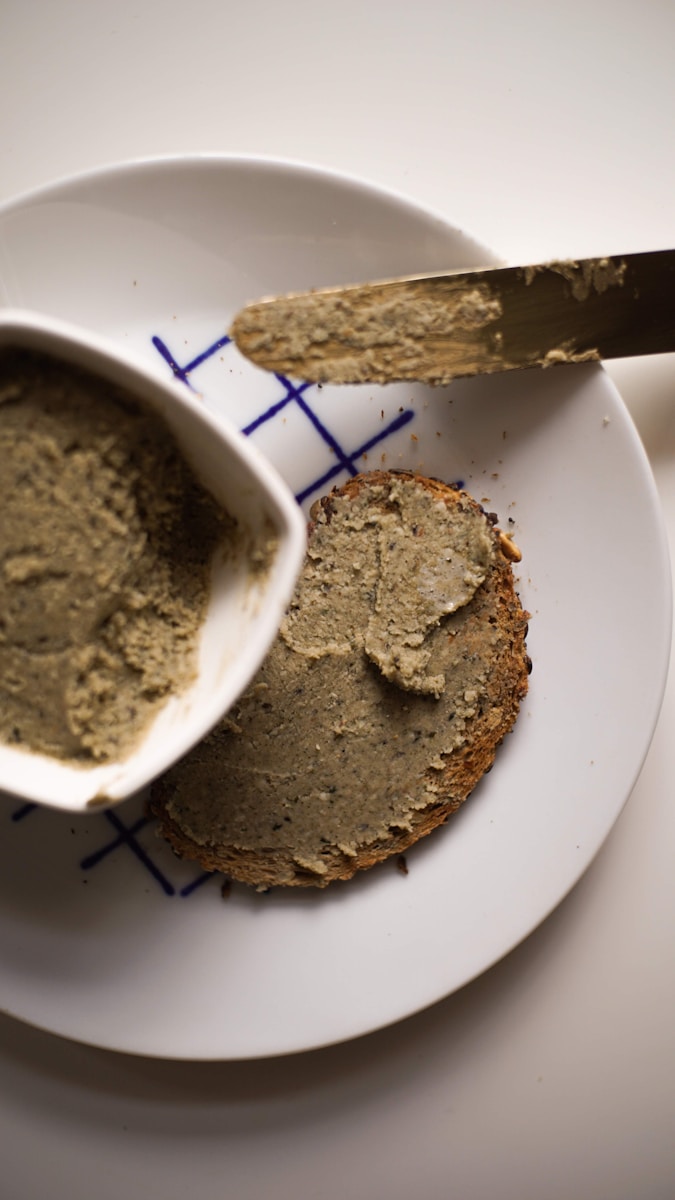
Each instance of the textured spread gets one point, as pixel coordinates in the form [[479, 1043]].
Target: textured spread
[[398, 670], [366, 337], [590, 275], [418, 559], [106, 542]]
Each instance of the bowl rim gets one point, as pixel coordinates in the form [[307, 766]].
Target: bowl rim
[[105, 785]]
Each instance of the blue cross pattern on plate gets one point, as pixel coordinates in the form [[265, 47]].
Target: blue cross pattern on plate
[[126, 835], [294, 394]]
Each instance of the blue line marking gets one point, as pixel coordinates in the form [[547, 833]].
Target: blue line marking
[[182, 373], [126, 836], [331, 442], [20, 813], [398, 423], [293, 392], [196, 883], [179, 372], [212, 349]]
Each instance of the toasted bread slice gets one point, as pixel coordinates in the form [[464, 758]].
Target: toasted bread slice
[[399, 669]]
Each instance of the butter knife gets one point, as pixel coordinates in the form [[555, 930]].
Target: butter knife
[[435, 328]]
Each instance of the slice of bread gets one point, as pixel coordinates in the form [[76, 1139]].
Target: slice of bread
[[399, 669]]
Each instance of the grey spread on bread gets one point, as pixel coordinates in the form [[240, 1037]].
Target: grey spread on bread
[[400, 667]]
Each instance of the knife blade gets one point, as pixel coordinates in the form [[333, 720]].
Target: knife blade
[[435, 328]]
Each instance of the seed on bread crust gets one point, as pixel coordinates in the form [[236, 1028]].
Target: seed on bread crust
[[508, 547]]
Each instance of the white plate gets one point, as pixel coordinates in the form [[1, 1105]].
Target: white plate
[[104, 936]]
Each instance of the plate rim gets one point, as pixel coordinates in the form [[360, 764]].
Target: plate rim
[[99, 175]]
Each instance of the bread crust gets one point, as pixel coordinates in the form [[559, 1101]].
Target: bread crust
[[496, 601]]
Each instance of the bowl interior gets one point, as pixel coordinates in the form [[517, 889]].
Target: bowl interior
[[245, 605]]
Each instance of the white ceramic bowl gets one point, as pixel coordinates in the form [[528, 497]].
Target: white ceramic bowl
[[245, 606]]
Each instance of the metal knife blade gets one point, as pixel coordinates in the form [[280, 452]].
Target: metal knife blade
[[434, 328]]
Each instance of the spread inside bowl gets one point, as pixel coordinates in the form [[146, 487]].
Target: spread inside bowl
[[106, 544]]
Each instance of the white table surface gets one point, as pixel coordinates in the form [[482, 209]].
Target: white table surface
[[546, 129]]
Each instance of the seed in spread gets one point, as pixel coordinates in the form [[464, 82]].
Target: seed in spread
[[106, 545]]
